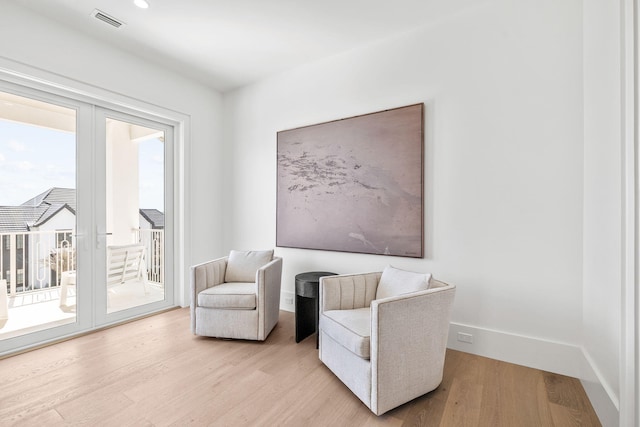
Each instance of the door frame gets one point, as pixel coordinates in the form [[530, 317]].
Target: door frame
[[629, 369], [26, 80]]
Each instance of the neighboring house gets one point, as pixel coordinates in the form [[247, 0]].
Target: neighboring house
[[52, 211], [53, 214], [151, 219], [46, 211]]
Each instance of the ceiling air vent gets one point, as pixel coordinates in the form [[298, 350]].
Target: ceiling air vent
[[98, 14]]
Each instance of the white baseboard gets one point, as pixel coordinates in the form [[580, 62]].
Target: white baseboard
[[559, 358], [536, 353], [602, 404], [603, 399]]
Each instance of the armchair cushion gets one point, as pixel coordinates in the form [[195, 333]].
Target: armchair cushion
[[230, 296], [394, 282], [242, 265], [350, 328]]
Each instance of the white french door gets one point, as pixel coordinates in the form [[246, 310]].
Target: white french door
[[134, 229], [109, 227]]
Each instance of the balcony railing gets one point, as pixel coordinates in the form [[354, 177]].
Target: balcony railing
[[153, 241], [35, 260]]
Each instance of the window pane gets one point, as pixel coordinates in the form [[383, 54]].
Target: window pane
[[135, 215], [37, 198]]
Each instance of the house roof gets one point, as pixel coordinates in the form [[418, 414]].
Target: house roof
[[19, 218], [41, 208], [36, 211], [54, 196], [51, 211], [154, 216]]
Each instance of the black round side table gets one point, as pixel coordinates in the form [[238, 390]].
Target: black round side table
[[307, 287]]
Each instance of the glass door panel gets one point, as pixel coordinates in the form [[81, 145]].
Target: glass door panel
[[132, 240], [37, 215]]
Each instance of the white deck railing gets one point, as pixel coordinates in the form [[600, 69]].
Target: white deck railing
[[35, 260], [153, 241]]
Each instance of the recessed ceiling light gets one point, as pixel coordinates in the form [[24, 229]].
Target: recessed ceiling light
[[142, 4]]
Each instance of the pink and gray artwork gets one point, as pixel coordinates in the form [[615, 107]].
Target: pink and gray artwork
[[353, 185]]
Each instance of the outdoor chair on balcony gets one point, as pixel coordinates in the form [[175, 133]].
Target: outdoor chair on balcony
[[237, 296], [384, 335], [125, 264]]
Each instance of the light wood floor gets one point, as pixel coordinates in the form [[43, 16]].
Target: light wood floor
[[154, 372]]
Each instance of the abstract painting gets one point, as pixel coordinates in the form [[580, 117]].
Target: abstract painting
[[353, 185]]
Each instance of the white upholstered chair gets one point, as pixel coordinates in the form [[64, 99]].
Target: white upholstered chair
[[237, 296], [384, 335]]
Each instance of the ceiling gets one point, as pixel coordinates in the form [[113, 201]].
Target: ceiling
[[230, 43]]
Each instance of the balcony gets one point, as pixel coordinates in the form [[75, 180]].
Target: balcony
[[32, 265]]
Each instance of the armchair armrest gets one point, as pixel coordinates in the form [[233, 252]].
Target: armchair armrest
[[416, 326], [268, 282], [268, 279], [204, 276]]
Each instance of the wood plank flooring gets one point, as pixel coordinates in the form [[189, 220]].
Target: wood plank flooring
[[154, 372]]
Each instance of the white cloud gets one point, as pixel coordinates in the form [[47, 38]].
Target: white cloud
[[25, 166], [17, 146], [2, 158]]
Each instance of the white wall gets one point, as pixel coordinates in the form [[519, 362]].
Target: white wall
[[502, 86], [123, 210], [602, 204], [143, 223], [63, 220], [51, 51]]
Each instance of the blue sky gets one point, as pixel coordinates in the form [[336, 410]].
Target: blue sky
[[151, 164], [34, 159]]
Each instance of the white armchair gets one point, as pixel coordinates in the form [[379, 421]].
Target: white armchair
[[237, 296], [385, 337]]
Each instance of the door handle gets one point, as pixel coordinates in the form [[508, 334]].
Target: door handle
[[101, 234]]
